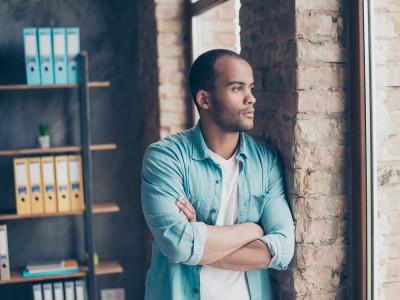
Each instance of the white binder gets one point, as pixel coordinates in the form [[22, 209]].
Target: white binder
[[37, 292], [47, 291], [80, 289], [58, 291], [69, 290], [4, 258]]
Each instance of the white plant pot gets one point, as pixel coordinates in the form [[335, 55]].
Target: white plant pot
[[44, 141]]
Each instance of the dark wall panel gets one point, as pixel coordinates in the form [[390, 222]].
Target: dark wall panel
[[109, 34]]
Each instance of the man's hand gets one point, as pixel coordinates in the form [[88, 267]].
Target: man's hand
[[186, 209]]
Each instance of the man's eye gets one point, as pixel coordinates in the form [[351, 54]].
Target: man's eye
[[237, 89]]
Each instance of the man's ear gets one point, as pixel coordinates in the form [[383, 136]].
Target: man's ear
[[202, 99]]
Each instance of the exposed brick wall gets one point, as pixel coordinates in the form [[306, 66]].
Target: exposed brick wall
[[321, 150], [387, 112], [298, 50], [173, 63], [164, 49]]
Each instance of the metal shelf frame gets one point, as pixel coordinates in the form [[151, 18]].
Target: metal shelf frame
[[86, 138]]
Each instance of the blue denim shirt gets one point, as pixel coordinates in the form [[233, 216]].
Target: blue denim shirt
[[181, 165]]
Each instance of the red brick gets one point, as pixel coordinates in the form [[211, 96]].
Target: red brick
[[169, 38], [313, 24], [321, 256], [320, 206], [318, 4], [320, 131], [320, 157], [315, 231], [175, 26], [312, 101], [169, 11]]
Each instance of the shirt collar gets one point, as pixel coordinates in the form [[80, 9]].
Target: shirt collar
[[200, 150]]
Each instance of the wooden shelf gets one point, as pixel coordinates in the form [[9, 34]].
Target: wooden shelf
[[101, 208], [96, 147], [13, 87], [16, 277], [98, 208], [104, 268]]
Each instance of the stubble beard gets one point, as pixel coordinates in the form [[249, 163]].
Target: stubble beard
[[229, 121]]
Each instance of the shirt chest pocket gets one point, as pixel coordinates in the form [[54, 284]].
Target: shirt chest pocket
[[255, 207]]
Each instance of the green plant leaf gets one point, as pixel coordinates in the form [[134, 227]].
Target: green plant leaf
[[43, 127]]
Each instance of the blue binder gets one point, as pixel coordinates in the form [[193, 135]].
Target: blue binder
[[46, 56], [60, 55], [31, 56], [73, 49]]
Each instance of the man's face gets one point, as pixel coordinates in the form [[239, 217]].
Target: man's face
[[231, 105]]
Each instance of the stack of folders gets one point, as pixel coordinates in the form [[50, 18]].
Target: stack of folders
[[51, 268], [51, 55], [48, 184], [68, 290], [4, 260]]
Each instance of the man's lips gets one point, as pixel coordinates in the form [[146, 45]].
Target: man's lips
[[249, 113]]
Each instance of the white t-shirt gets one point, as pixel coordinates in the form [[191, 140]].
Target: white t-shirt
[[220, 284]]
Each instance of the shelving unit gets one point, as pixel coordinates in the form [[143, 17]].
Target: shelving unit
[[103, 268], [98, 208], [14, 87], [90, 271], [65, 149]]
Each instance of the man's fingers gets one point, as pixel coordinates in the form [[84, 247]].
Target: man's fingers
[[187, 204], [186, 209], [181, 212]]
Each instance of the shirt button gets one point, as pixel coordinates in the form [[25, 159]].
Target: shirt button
[[213, 211], [195, 291], [217, 181]]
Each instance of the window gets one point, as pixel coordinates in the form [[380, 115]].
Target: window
[[215, 24], [376, 148]]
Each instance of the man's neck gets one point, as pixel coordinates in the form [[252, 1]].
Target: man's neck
[[220, 142]]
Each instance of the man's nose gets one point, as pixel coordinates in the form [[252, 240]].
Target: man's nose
[[250, 99]]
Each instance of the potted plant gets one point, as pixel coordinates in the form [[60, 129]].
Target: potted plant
[[44, 138]]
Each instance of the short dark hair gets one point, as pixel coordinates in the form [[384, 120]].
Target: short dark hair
[[202, 73]]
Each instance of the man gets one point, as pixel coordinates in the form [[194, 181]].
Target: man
[[214, 197]]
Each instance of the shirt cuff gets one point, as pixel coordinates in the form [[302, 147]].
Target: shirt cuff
[[199, 243], [273, 243]]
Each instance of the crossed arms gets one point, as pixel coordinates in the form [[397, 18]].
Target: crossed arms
[[245, 246], [234, 247]]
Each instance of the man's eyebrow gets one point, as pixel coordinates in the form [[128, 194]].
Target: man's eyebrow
[[237, 82]]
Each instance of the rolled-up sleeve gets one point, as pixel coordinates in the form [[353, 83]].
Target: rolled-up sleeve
[[162, 183], [277, 219]]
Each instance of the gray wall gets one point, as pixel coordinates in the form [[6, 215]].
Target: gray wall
[[109, 33]]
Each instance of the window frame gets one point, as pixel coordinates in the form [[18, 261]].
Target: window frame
[[361, 150]]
